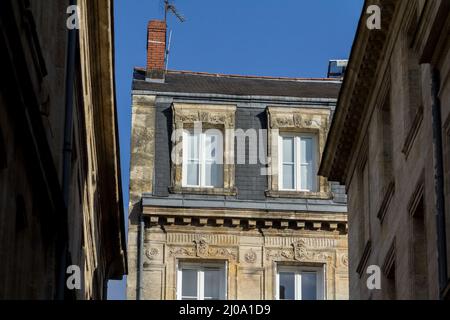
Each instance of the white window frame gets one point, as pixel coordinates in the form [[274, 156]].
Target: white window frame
[[297, 172], [200, 267], [298, 270], [201, 158]]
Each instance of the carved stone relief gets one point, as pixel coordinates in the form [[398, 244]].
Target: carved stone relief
[[202, 249], [151, 253], [298, 252], [250, 256]]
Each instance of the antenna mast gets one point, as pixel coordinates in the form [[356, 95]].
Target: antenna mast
[[170, 7]]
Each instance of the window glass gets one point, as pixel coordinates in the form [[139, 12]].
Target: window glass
[[288, 150], [189, 284], [288, 169], [288, 176], [306, 163], [213, 156], [212, 283], [287, 286], [309, 285], [193, 160]]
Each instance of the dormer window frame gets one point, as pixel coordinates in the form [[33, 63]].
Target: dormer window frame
[[208, 116]]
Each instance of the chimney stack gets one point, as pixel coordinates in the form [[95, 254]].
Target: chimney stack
[[156, 50]]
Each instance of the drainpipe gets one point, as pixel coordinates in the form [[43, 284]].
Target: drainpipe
[[67, 156], [439, 180], [140, 256]]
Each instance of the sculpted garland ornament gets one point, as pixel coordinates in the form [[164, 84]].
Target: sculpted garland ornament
[[298, 252], [202, 249]]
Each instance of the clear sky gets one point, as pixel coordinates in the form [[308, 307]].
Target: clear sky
[[292, 38]]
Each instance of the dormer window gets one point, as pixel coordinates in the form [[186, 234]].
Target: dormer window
[[298, 162], [296, 140], [203, 159], [203, 149]]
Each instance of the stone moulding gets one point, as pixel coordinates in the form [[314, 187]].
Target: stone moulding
[[249, 223]]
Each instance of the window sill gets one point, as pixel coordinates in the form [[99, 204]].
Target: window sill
[[204, 191], [298, 194], [412, 133], [364, 258], [388, 194]]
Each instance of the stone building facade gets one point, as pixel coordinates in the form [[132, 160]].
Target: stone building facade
[[220, 220], [389, 144], [60, 190]]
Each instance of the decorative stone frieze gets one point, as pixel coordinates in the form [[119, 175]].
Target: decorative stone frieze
[[201, 249], [299, 252]]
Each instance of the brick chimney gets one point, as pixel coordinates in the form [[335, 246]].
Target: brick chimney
[[156, 50]]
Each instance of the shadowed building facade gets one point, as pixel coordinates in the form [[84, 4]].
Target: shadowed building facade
[[389, 144], [60, 189], [225, 201]]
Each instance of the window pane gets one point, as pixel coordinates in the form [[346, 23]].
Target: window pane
[[288, 176], [287, 286], [189, 284], [306, 164], [306, 177], [211, 147], [288, 149], [306, 150], [213, 175], [309, 286], [192, 145], [212, 283], [192, 173]]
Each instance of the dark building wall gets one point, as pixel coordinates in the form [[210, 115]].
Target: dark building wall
[[40, 234]]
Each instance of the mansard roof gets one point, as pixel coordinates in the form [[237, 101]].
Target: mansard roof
[[238, 85]]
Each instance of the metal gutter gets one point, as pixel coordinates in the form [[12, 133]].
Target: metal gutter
[[140, 257], [439, 181], [306, 205], [67, 155], [267, 99]]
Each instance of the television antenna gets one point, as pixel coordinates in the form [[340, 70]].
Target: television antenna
[[169, 7]]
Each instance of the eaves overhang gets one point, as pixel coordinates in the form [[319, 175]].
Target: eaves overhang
[[366, 53]]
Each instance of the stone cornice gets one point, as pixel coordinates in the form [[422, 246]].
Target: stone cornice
[[99, 65], [352, 103], [173, 218]]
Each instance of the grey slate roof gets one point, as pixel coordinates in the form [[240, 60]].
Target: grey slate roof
[[192, 82]]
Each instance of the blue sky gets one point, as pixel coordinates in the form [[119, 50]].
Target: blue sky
[[292, 38]]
